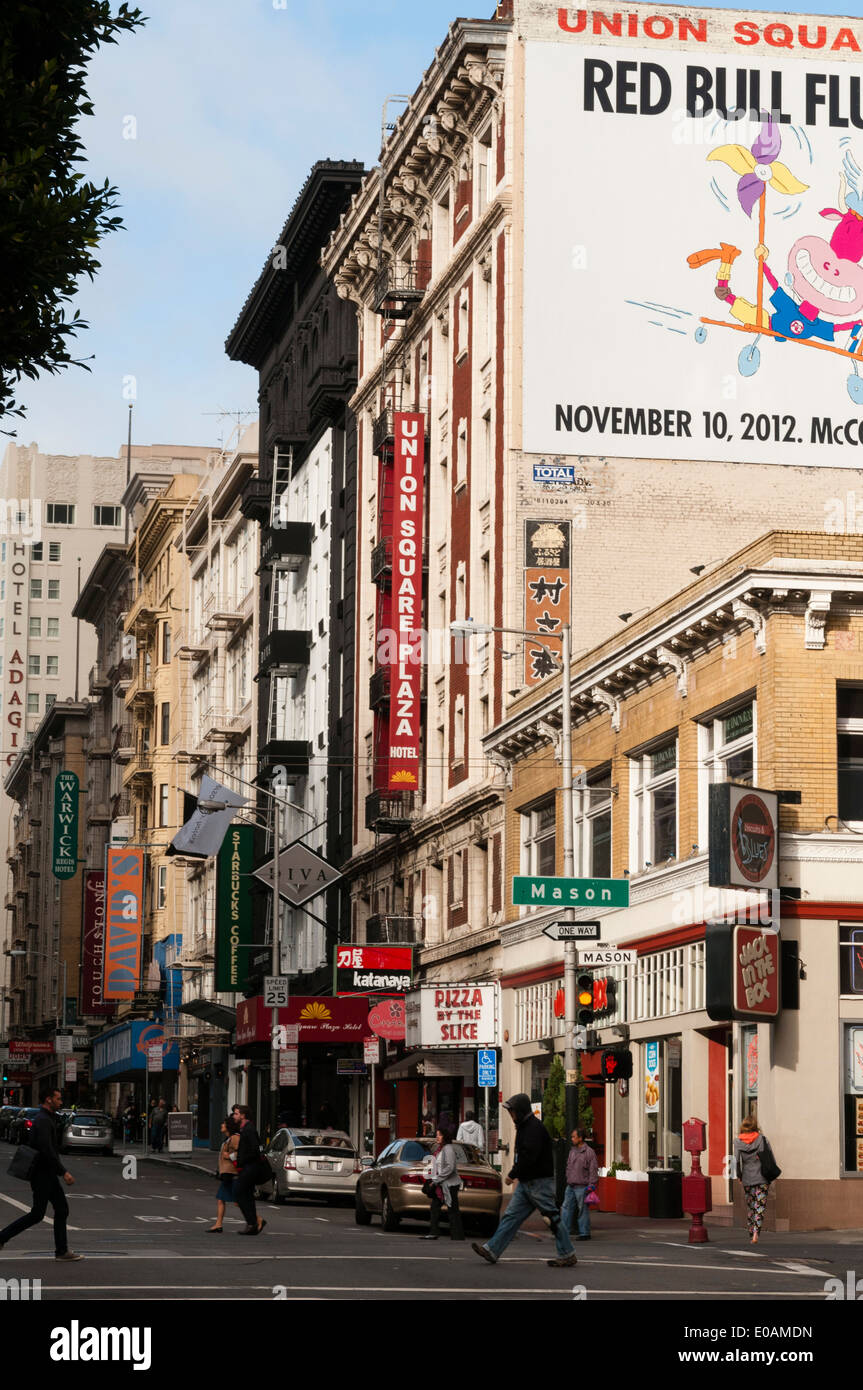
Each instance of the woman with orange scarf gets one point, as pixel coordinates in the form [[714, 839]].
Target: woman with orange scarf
[[752, 1150]]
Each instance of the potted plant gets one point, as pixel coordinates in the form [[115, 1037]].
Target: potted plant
[[607, 1187]]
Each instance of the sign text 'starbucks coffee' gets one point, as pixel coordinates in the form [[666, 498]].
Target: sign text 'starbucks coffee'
[[233, 907], [65, 850]]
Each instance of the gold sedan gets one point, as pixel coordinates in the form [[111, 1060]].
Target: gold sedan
[[392, 1186]]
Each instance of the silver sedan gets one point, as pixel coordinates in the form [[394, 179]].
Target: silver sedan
[[313, 1163], [88, 1129]]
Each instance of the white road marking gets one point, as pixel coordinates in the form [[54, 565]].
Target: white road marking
[[793, 1267], [47, 1220], [746, 1254], [545, 1290]]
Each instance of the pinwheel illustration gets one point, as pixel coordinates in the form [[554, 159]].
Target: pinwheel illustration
[[825, 280]]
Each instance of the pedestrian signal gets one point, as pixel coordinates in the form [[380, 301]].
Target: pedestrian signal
[[615, 1064]]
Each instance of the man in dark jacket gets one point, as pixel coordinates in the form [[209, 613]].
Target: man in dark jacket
[[533, 1170], [249, 1165], [45, 1179]]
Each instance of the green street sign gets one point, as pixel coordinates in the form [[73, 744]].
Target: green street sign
[[233, 906], [65, 852], [528, 891]]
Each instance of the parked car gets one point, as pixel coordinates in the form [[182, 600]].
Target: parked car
[[392, 1187], [87, 1129], [22, 1124], [313, 1163], [7, 1115]]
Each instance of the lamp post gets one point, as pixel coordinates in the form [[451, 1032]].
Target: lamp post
[[564, 665]]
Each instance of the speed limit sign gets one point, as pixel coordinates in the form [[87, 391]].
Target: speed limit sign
[[275, 991]]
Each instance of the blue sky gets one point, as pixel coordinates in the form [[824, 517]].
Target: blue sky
[[233, 101]]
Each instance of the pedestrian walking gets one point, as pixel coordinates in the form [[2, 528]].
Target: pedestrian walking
[[533, 1171], [446, 1184], [470, 1132], [158, 1119], [756, 1169], [250, 1162], [582, 1174], [227, 1171], [45, 1177]]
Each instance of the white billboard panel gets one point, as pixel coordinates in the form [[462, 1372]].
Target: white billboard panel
[[694, 243]]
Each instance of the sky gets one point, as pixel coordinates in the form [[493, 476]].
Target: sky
[[208, 120]]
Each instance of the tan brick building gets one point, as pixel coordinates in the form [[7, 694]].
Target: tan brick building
[[752, 674]]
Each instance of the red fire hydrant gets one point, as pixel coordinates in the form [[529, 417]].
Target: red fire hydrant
[[696, 1185]]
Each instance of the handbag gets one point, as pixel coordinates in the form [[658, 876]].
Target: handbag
[[429, 1188], [23, 1162], [591, 1197], [770, 1169]]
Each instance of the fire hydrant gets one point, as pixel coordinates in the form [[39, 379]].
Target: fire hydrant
[[696, 1185]]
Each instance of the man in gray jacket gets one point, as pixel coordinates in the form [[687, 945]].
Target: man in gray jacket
[[581, 1176]]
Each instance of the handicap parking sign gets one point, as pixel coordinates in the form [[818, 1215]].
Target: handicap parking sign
[[487, 1067]]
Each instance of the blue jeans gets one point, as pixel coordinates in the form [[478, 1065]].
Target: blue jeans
[[575, 1198], [535, 1195]]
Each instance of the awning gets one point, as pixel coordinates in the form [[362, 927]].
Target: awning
[[220, 1015], [420, 1066]]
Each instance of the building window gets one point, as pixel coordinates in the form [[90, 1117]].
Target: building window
[[53, 588], [49, 701], [35, 588], [726, 753], [35, 552], [107, 516], [35, 627], [165, 733], [458, 730], [60, 514], [166, 643], [34, 666], [53, 627], [853, 1097], [163, 804], [593, 824], [461, 454], [162, 891], [52, 666], [538, 844], [55, 552], [851, 959], [653, 819], [32, 704], [849, 747]]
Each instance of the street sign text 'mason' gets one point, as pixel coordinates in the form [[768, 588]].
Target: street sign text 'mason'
[[529, 891]]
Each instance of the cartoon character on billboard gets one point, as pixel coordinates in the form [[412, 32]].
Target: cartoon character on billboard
[[824, 279]]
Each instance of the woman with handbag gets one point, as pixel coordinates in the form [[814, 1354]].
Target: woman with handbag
[[756, 1169], [443, 1186], [227, 1172]]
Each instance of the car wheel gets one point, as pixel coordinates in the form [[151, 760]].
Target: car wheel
[[362, 1215], [389, 1220]]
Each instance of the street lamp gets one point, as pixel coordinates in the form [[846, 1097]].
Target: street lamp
[[563, 663]]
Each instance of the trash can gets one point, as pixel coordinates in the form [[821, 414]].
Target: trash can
[[664, 1193]]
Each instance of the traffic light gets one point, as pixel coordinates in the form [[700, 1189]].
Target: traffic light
[[615, 1064], [584, 1001]]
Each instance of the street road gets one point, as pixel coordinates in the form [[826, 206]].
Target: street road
[[145, 1238]]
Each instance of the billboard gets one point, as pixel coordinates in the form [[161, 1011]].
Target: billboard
[[93, 945], [693, 235], [65, 850], [124, 902], [373, 969], [407, 600]]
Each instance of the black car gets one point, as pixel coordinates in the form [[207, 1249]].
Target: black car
[[22, 1124]]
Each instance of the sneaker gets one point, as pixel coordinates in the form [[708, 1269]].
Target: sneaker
[[562, 1262], [484, 1251], [69, 1255]]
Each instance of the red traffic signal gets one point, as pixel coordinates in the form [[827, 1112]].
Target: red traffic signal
[[615, 1064]]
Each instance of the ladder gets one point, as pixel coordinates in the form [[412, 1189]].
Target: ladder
[[282, 468]]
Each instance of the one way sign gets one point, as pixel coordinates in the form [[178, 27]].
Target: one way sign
[[303, 874]]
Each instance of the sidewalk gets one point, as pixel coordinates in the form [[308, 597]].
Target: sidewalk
[[199, 1161]]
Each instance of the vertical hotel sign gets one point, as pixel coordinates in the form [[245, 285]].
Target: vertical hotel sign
[[233, 906], [547, 607], [64, 858], [93, 945], [407, 594], [124, 900]]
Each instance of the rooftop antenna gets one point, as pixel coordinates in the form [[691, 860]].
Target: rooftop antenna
[[238, 416]]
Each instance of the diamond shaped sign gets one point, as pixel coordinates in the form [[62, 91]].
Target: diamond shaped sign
[[303, 874]]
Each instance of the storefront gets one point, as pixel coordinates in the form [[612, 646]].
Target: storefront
[[120, 1066], [329, 1031]]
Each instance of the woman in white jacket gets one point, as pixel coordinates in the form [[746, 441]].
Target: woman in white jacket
[[445, 1176]]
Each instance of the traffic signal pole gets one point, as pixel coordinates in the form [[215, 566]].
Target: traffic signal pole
[[569, 988]]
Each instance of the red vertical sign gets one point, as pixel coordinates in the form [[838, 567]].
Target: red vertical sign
[[407, 598]]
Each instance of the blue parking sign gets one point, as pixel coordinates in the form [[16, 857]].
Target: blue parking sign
[[487, 1067]]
